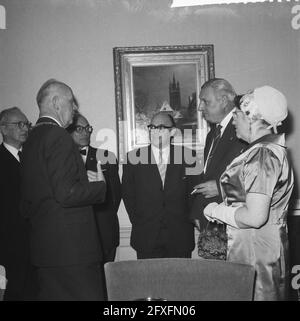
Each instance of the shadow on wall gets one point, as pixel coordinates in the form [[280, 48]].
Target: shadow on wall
[[287, 127]]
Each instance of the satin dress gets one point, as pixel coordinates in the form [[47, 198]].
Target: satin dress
[[263, 168]]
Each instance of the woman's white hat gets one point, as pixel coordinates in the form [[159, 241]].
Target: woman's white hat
[[267, 103]]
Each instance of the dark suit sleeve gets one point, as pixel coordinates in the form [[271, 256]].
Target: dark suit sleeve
[[116, 184], [128, 190], [69, 188]]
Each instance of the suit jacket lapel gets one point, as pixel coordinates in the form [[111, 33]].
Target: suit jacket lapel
[[9, 156], [223, 145], [172, 167], [207, 144], [91, 159]]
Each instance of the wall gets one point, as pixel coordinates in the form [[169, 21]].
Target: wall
[[72, 40]]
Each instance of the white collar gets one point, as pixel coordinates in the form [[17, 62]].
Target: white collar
[[165, 153], [225, 121], [57, 121], [13, 150]]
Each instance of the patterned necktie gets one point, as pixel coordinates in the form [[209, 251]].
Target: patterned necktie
[[162, 167], [216, 139]]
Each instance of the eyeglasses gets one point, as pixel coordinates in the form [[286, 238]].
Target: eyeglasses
[[20, 124], [159, 127], [87, 129]]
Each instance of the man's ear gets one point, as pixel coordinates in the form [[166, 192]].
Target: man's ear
[[224, 100], [55, 102], [3, 130]]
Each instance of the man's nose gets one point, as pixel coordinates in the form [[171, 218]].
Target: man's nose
[[200, 106]]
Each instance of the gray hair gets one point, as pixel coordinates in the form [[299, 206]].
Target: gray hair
[[221, 85], [48, 87], [7, 113]]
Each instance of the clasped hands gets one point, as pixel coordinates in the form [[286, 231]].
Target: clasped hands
[[96, 176]]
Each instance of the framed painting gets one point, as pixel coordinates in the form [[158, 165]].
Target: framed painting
[[160, 78]]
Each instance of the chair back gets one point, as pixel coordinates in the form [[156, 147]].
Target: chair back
[[179, 279], [2, 282]]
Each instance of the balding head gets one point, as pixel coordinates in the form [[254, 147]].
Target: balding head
[[49, 89], [163, 118], [56, 99]]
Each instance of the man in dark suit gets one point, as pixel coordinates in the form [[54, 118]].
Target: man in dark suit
[[14, 229], [155, 191], [217, 101], [106, 213], [57, 196]]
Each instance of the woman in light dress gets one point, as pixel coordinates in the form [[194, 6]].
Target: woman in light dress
[[256, 188]]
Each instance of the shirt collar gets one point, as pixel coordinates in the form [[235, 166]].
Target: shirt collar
[[13, 150], [225, 121], [165, 153], [57, 121]]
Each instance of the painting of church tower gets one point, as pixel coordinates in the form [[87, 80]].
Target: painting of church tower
[[174, 93]]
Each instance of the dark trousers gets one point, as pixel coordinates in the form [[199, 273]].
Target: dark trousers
[[163, 249], [110, 256], [71, 283], [22, 282]]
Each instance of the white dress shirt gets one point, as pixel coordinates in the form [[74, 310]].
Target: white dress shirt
[[13, 150], [86, 148], [165, 154]]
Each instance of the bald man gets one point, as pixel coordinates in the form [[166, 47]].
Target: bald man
[[155, 192], [14, 229], [57, 197]]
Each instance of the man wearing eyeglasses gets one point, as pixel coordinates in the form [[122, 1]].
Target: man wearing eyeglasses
[[155, 195], [14, 233], [106, 212], [57, 197]]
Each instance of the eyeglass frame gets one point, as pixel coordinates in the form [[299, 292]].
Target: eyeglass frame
[[88, 129], [159, 127], [20, 124]]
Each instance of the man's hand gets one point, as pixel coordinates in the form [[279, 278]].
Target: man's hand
[[92, 176], [207, 189], [96, 176], [197, 224]]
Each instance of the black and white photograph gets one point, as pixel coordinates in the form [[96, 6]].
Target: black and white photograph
[[149, 151]]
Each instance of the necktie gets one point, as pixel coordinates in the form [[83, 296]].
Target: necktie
[[215, 141], [161, 166], [82, 151], [20, 154]]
